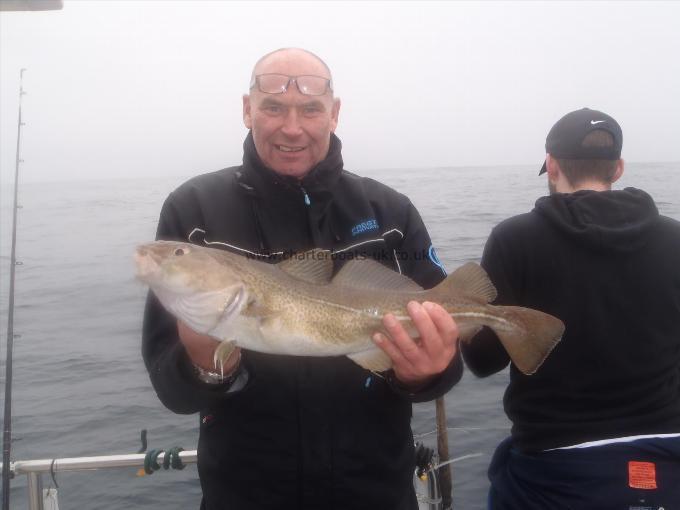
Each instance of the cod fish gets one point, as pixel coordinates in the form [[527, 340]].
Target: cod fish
[[297, 307]]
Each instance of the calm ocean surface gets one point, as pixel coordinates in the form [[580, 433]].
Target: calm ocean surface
[[80, 387]]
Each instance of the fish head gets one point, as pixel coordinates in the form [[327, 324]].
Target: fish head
[[191, 283], [182, 268]]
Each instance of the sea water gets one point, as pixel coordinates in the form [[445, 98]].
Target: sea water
[[80, 387]]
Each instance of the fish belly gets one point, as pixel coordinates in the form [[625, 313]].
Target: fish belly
[[301, 335]]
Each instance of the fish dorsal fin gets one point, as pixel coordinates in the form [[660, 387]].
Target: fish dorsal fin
[[365, 273], [313, 266], [472, 280]]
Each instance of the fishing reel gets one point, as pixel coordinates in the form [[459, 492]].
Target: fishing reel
[[423, 460]]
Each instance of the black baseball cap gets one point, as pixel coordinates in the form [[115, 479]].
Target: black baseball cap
[[565, 139]]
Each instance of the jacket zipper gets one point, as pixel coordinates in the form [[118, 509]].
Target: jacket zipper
[[304, 192]]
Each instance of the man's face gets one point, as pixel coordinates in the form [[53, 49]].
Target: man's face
[[291, 131]]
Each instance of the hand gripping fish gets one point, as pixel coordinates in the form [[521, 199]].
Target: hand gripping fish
[[297, 307]]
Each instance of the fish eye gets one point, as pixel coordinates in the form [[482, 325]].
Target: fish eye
[[179, 252]]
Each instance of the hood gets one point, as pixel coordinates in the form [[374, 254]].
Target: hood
[[619, 221]]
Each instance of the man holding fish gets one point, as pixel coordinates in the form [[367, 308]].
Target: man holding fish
[[319, 276], [299, 429]]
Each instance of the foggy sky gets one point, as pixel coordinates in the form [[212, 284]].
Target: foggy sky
[[154, 88]]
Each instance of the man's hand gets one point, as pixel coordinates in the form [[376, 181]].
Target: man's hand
[[417, 362], [201, 349]]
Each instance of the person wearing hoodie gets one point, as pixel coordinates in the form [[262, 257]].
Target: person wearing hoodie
[[598, 425]]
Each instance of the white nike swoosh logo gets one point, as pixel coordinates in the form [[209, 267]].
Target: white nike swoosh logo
[[593, 122]]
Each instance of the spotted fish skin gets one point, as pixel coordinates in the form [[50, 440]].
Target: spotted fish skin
[[297, 307]]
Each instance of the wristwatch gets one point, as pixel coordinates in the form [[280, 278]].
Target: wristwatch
[[215, 378]]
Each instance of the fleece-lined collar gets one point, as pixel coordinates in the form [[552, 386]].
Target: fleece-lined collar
[[264, 182]]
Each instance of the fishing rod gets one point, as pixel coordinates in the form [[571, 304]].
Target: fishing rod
[[7, 429]]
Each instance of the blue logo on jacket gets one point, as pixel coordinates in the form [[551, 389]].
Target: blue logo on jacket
[[364, 226], [435, 260]]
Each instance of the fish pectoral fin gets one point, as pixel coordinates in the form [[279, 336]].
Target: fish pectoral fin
[[222, 353], [374, 360], [256, 309], [270, 324]]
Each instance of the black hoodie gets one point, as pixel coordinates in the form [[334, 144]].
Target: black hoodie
[[608, 265], [305, 433]]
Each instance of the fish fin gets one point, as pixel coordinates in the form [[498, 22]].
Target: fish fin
[[222, 353], [469, 279], [365, 273], [313, 266], [374, 360], [467, 331], [529, 343], [258, 310], [270, 325]]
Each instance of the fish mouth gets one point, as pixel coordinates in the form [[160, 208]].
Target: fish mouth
[[146, 263]]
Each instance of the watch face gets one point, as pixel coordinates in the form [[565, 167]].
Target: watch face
[[209, 377]]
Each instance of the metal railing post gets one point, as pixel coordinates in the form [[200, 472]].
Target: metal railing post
[[434, 493], [35, 495]]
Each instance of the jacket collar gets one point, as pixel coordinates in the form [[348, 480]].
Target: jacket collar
[[265, 183]]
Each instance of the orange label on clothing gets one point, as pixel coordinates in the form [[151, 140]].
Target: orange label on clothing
[[641, 475]]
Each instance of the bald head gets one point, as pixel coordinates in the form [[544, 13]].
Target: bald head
[[291, 125], [290, 59]]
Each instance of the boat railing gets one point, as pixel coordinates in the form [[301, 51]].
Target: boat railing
[[429, 497], [34, 469]]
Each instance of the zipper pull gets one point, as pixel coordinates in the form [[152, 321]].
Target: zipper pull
[[307, 200]]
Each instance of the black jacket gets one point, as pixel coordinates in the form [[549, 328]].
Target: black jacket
[[305, 432], [608, 265]]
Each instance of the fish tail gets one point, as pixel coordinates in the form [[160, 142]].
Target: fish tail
[[530, 336]]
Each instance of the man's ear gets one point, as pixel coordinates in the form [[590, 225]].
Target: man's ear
[[619, 171], [335, 113], [247, 119], [552, 167]]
